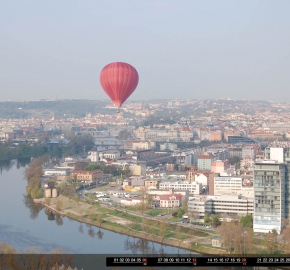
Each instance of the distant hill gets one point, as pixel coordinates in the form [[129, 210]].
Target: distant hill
[[58, 108]]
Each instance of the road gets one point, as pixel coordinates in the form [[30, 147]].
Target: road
[[164, 218]]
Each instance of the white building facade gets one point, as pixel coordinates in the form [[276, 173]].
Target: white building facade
[[224, 185], [192, 187]]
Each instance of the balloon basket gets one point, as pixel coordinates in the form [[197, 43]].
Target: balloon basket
[[118, 111]]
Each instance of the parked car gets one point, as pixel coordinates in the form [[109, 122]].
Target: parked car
[[174, 214]]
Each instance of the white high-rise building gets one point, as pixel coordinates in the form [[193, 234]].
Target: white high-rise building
[[269, 189]]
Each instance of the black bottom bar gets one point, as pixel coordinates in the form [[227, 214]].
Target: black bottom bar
[[197, 261]]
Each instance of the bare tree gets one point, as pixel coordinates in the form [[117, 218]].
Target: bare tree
[[146, 223], [270, 241], [162, 230], [185, 204], [47, 201], [178, 234], [285, 222], [143, 205], [193, 216], [227, 233], [59, 205], [99, 219]]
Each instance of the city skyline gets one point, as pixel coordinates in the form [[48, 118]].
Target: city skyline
[[195, 50]]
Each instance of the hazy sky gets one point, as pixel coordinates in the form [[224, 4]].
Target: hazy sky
[[181, 49]]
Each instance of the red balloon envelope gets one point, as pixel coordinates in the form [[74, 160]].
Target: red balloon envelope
[[119, 80]]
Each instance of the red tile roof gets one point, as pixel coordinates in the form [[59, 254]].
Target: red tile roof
[[167, 197]]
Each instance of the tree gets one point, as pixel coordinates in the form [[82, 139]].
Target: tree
[[227, 233], [206, 218], [270, 241], [67, 190], [248, 241], [99, 219], [162, 230], [47, 201], [247, 221], [234, 160], [178, 234], [78, 199], [238, 240], [124, 135], [36, 192], [5, 250], [92, 167], [59, 205], [80, 165], [214, 220], [184, 204], [126, 171], [147, 223], [143, 205], [285, 222], [180, 212], [286, 236], [194, 216]]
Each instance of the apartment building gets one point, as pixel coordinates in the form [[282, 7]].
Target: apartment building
[[111, 154], [193, 187], [138, 169], [90, 176], [152, 183], [227, 185], [227, 204], [250, 151], [197, 176], [204, 162], [170, 201], [220, 166]]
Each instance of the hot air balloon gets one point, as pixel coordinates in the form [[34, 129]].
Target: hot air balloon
[[119, 80]]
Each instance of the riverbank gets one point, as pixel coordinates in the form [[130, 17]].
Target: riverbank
[[113, 220]]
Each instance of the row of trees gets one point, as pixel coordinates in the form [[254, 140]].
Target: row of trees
[[32, 259], [58, 108], [33, 173], [10, 151], [236, 238], [78, 145], [107, 169]]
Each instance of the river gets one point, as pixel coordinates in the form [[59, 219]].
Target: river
[[25, 225]]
